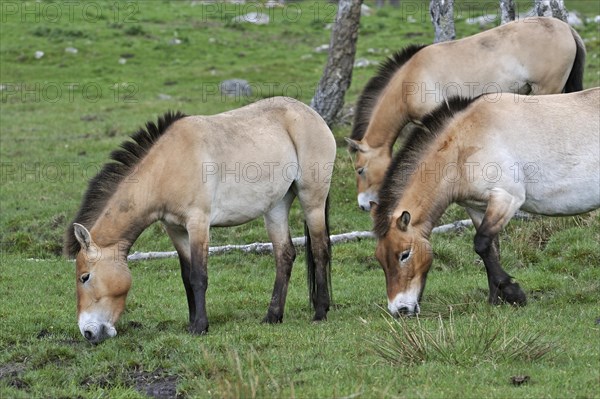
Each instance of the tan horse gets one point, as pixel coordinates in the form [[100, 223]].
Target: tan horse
[[531, 56], [492, 156], [194, 172]]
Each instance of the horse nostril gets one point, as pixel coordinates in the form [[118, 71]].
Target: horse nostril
[[88, 335], [403, 310]]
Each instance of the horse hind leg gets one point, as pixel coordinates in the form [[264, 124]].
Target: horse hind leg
[[318, 253], [276, 222]]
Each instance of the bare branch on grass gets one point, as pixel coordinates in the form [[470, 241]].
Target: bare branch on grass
[[267, 247]]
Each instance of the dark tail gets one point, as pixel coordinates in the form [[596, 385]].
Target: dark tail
[[575, 80], [311, 272]]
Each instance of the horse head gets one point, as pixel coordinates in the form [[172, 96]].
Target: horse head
[[370, 166], [405, 256], [103, 280]]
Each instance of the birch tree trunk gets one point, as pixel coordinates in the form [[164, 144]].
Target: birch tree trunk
[[507, 11], [556, 8], [329, 96], [442, 18]]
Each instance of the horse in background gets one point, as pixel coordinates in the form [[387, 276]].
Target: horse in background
[[194, 172], [493, 156], [531, 56]]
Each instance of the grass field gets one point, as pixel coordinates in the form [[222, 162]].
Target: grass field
[[62, 114]]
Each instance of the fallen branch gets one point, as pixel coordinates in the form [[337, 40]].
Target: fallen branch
[[267, 247]]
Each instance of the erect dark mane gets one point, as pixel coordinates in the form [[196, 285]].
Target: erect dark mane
[[104, 184], [406, 161], [375, 86]]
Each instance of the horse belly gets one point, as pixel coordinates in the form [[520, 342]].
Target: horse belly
[[563, 199], [242, 200]]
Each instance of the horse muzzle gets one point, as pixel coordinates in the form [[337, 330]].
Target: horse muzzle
[[365, 199], [404, 305], [405, 310], [94, 331]]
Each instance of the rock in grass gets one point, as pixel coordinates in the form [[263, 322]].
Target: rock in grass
[[256, 18], [519, 379], [236, 88]]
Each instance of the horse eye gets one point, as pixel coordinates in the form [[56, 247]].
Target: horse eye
[[404, 255], [84, 278], [360, 171]]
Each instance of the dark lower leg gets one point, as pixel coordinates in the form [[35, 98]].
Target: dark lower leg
[[199, 285], [284, 260], [502, 287]]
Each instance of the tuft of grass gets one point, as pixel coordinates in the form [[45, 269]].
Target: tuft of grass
[[412, 341]]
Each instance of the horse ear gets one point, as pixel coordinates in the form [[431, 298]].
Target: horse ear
[[82, 235], [354, 145], [403, 221]]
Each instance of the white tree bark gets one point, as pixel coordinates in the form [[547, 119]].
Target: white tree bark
[[554, 8], [507, 11], [442, 18]]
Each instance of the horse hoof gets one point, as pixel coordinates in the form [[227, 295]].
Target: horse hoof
[[513, 295], [320, 317], [198, 330], [272, 319]]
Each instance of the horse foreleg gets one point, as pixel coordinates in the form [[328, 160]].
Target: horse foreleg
[[501, 207], [180, 240], [198, 279], [276, 222], [501, 285]]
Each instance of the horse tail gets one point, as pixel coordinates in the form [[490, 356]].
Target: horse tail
[[575, 79], [311, 272]]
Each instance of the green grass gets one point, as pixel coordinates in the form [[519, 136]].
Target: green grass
[[61, 115]]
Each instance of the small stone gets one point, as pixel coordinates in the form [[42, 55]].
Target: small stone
[[365, 10], [71, 50], [122, 61], [574, 20], [322, 48], [38, 54], [519, 379], [363, 63], [236, 88], [256, 18]]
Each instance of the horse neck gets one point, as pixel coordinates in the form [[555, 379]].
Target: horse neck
[[428, 195], [389, 115], [126, 215]]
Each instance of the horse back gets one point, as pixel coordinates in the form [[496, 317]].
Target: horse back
[[529, 56], [246, 159]]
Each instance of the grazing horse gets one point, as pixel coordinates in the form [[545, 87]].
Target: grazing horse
[[531, 56], [491, 156], [194, 172]]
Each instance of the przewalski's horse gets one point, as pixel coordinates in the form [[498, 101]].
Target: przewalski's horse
[[531, 56], [492, 156], [194, 172]]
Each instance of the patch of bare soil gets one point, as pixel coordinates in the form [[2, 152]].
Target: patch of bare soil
[[155, 384], [11, 373]]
